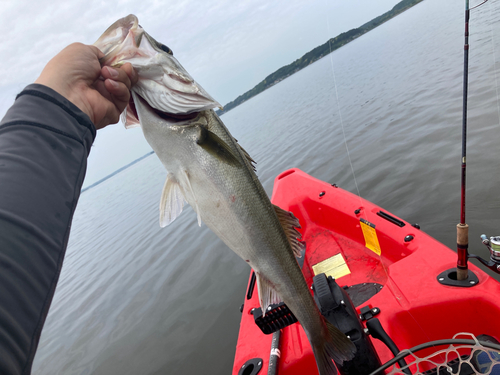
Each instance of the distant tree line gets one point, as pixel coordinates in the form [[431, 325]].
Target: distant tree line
[[319, 52]]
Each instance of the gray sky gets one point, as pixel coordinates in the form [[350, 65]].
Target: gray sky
[[228, 46]]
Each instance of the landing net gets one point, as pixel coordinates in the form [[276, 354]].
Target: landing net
[[457, 359]]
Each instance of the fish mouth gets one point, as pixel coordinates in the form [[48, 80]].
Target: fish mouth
[[169, 117], [176, 117]]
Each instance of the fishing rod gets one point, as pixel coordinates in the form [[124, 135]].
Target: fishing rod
[[462, 227]]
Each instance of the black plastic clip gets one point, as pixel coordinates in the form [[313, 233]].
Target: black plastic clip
[[366, 313]]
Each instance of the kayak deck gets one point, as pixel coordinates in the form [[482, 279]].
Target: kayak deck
[[414, 307]]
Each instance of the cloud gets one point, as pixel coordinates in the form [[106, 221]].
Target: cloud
[[218, 42], [227, 46]]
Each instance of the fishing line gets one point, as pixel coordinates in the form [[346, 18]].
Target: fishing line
[[338, 104], [363, 212], [478, 5], [394, 289]]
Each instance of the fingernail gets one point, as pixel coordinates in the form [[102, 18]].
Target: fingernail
[[114, 83], [113, 72]]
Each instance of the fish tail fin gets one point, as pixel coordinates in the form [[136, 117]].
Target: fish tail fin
[[337, 347], [324, 362]]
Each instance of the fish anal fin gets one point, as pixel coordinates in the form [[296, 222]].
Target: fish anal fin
[[216, 147], [289, 222], [171, 202], [267, 293]]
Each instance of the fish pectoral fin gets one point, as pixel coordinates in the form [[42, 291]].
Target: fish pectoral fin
[[216, 147], [195, 208], [267, 294], [289, 222], [171, 202]]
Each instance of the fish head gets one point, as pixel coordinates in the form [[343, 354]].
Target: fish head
[[163, 82], [171, 136]]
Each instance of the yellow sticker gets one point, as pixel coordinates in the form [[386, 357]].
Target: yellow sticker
[[335, 267], [370, 234]]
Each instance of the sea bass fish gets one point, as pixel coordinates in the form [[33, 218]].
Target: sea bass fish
[[213, 173]]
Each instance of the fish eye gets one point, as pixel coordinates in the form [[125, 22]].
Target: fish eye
[[166, 49]]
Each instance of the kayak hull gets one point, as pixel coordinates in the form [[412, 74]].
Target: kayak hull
[[414, 306]]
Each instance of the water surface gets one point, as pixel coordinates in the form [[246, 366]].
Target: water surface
[[137, 299]]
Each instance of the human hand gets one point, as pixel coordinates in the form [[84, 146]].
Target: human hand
[[100, 92]]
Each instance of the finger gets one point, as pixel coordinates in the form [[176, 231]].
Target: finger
[[118, 75], [97, 51], [132, 74], [113, 98], [111, 115], [94, 55], [119, 93]]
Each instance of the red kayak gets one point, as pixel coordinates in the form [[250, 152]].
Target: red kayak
[[391, 270]]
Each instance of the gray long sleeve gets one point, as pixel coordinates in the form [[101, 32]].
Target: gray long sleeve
[[44, 144]]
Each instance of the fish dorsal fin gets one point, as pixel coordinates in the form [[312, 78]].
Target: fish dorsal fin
[[216, 147], [289, 222], [171, 202], [267, 294], [248, 157], [195, 208]]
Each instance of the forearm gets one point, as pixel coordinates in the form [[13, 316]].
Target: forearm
[[44, 144]]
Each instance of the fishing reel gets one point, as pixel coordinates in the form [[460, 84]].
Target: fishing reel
[[493, 245]]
